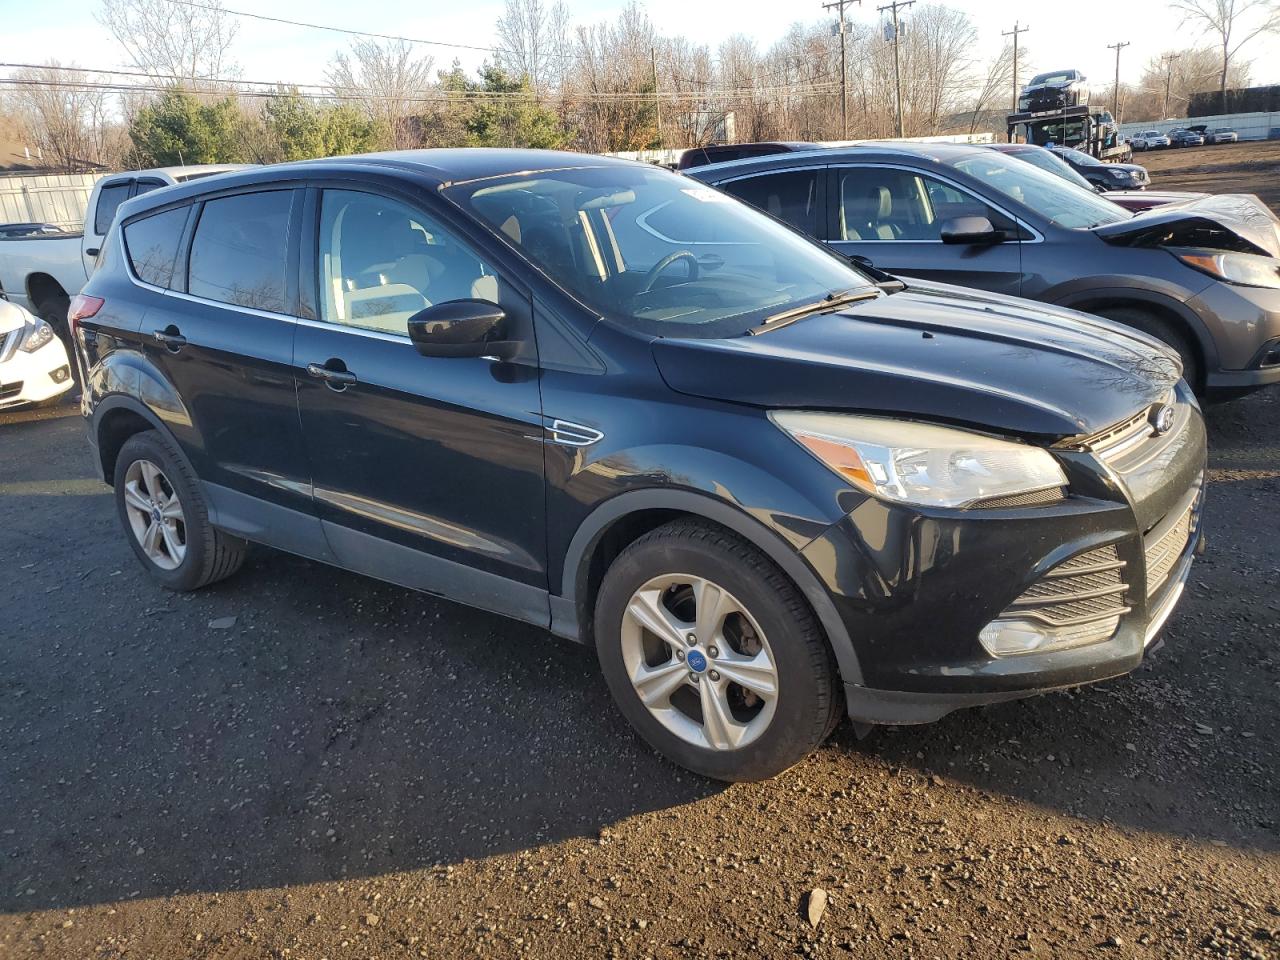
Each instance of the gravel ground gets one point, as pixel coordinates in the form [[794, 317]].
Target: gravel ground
[[303, 763], [1249, 167]]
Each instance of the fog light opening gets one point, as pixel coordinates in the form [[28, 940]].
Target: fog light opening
[[1010, 638], [61, 374]]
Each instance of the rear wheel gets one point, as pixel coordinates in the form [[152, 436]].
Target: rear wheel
[[1164, 331], [713, 655], [165, 517]]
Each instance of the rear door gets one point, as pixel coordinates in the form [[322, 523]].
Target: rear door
[[428, 471], [893, 217], [223, 336]]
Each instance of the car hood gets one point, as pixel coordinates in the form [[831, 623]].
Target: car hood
[[1147, 199], [937, 352], [12, 317], [1230, 221]]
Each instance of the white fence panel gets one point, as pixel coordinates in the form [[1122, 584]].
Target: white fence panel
[[1250, 126], [59, 199]]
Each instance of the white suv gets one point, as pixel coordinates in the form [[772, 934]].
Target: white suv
[[1149, 140]]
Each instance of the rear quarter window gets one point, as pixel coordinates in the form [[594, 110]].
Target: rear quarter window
[[109, 199], [152, 244]]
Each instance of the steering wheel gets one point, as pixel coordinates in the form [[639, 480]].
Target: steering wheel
[[656, 270]]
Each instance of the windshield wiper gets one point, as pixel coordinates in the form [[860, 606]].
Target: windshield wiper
[[831, 301]]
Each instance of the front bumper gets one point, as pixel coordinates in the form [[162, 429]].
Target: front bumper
[[33, 377], [915, 588], [1245, 325]]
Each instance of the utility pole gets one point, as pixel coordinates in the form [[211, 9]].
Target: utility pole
[[657, 99], [1014, 33], [1168, 59], [897, 68], [1115, 93], [844, 73]]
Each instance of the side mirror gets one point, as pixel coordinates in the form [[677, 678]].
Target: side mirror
[[971, 230], [462, 328]]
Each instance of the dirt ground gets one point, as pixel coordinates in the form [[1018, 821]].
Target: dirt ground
[[1252, 167]]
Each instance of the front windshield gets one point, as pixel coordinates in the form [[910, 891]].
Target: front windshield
[[1082, 158], [1062, 203], [1049, 161], [656, 251]]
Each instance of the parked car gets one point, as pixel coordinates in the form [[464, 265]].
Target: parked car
[[1185, 138], [1054, 91], [10, 230], [1049, 161], [1105, 176], [1149, 140], [41, 271], [34, 368], [1220, 135], [1202, 276], [605, 399], [721, 152]]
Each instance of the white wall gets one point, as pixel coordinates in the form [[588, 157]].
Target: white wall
[[1250, 126]]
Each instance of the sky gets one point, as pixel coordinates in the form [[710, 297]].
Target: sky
[[1072, 34]]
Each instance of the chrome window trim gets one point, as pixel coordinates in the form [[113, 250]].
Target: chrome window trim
[[348, 328], [1037, 236]]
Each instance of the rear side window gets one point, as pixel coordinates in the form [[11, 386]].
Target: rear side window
[[153, 245], [791, 197], [109, 199], [238, 252]]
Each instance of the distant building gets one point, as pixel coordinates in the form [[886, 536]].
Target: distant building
[[1208, 103]]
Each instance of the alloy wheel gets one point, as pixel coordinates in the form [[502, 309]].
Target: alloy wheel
[[699, 662], [155, 514]]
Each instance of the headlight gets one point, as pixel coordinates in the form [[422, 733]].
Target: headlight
[[37, 334], [918, 463], [1247, 269]]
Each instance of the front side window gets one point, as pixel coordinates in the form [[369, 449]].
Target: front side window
[[238, 252], [883, 203], [791, 197], [1057, 201], [109, 199], [654, 251], [382, 261], [153, 243]]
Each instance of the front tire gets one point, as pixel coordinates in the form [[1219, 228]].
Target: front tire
[[713, 655], [165, 518], [1167, 333]]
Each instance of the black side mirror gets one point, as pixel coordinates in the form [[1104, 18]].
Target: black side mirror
[[462, 328], [971, 230]]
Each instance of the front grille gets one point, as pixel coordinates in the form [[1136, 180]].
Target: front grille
[[1037, 498], [1087, 589], [1163, 553], [9, 390], [1133, 442], [9, 344]]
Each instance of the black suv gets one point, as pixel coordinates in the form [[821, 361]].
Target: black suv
[[607, 400]]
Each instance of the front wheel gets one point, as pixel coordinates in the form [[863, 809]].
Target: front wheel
[[713, 655], [165, 517]]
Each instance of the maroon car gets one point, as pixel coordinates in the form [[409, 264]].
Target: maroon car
[[1135, 200]]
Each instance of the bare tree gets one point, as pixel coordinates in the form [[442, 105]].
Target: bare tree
[[534, 42], [68, 123], [166, 40], [391, 79], [1185, 72], [1232, 24], [993, 87]]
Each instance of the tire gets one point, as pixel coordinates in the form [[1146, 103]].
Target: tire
[[54, 313], [1164, 331], [774, 629], [194, 553]]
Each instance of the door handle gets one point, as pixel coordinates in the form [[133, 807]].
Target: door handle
[[171, 338], [91, 251], [333, 378]]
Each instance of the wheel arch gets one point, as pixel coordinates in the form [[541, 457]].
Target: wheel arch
[[43, 287], [624, 518], [1182, 317], [115, 420]]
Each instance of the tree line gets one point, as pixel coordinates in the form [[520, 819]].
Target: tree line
[[608, 86]]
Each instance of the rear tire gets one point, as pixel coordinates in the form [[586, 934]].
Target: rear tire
[[1166, 332], [714, 597], [166, 519]]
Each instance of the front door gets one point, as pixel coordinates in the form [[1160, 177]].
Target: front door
[[893, 217], [427, 470]]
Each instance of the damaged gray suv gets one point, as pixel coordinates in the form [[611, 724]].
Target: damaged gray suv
[[1203, 276]]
